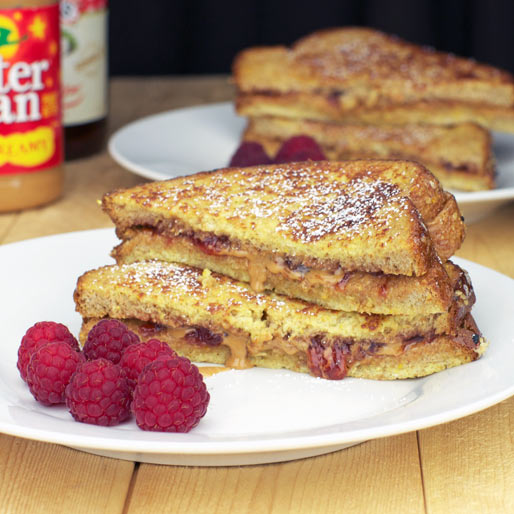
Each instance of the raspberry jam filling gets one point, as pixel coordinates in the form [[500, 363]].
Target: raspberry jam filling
[[259, 263], [212, 244], [193, 334], [202, 335], [327, 357], [328, 361]]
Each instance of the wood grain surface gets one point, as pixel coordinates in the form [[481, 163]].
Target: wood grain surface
[[464, 466]]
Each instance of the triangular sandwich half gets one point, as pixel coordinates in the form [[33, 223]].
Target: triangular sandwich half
[[209, 317], [347, 235], [363, 75], [460, 155]]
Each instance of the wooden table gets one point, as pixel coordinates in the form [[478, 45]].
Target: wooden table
[[464, 466]]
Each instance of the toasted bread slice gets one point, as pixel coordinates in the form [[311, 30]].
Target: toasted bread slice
[[460, 156], [355, 215], [365, 67], [348, 291], [211, 317], [319, 106]]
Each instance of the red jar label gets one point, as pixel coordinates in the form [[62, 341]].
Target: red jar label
[[30, 103]]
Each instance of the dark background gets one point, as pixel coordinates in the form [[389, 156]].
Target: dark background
[[164, 37]]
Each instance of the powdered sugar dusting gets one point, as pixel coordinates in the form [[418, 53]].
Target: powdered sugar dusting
[[174, 281], [346, 213], [347, 54], [306, 201], [151, 278]]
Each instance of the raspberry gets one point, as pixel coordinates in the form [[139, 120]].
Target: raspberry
[[39, 334], [99, 393], [50, 369], [249, 153], [137, 356], [299, 148], [170, 396], [108, 339]]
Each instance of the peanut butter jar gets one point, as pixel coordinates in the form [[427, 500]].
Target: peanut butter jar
[[31, 136]]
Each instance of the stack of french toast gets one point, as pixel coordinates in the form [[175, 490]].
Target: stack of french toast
[[330, 268], [361, 93]]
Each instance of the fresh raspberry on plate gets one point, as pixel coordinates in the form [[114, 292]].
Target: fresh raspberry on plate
[[137, 356], [299, 148], [108, 339], [170, 396], [39, 334], [99, 393], [50, 369], [249, 153]]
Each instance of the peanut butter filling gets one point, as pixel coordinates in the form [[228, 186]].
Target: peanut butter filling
[[259, 263], [209, 371], [238, 351], [243, 348]]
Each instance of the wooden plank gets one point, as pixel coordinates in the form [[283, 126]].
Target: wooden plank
[[379, 476], [6, 223], [491, 241], [468, 465], [48, 478]]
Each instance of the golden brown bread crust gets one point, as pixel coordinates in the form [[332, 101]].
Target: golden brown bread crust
[[317, 106], [356, 215], [357, 291], [212, 311], [422, 359], [460, 156], [366, 67], [447, 228]]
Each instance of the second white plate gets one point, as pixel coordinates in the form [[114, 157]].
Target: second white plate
[[202, 138]]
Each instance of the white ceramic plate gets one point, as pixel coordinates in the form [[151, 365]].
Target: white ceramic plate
[[255, 415], [203, 138]]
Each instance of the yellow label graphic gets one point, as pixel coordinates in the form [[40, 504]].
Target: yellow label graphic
[[28, 149], [9, 37]]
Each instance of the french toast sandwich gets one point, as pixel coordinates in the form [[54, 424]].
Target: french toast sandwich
[[349, 70], [367, 236], [361, 93], [210, 317], [330, 268], [460, 155]]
